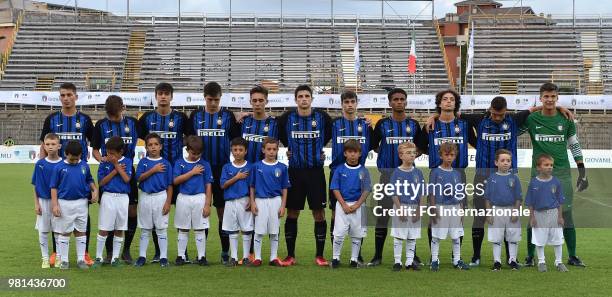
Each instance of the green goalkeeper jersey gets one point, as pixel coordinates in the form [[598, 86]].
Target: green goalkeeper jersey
[[552, 135]]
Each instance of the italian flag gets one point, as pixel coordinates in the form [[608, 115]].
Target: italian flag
[[412, 58]]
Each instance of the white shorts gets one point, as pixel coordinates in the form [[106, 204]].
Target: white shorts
[[236, 217], [353, 224], [547, 231], [503, 228], [150, 208], [406, 229], [73, 216], [188, 213], [43, 221], [113, 211], [447, 225], [267, 220]]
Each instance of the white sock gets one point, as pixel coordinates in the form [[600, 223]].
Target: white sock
[[540, 252], [456, 251], [162, 240], [513, 251], [337, 247], [435, 248], [273, 246], [200, 239], [397, 250], [144, 242], [117, 241], [246, 245], [183, 238], [257, 245], [233, 241], [64, 243], [58, 254], [558, 254], [81, 243], [496, 252], [43, 240], [101, 240], [410, 247], [355, 248]]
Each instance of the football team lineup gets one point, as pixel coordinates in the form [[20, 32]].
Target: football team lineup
[[253, 193]]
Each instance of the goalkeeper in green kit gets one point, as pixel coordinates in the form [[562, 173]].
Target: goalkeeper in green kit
[[551, 133]]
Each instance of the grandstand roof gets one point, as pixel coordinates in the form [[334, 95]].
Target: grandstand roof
[[478, 2]]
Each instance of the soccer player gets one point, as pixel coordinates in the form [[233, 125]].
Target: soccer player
[[389, 133], [503, 191], [269, 181], [444, 225], [194, 199], [71, 185], [551, 134], [545, 200], [41, 178], [70, 124], [407, 228], [216, 126], [114, 176], [305, 131], [170, 125], [256, 127], [117, 124], [351, 186], [237, 215], [155, 178]]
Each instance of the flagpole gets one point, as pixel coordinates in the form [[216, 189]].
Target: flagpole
[[414, 74]]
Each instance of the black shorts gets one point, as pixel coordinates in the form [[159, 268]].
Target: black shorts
[[307, 183], [332, 197], [133, 188], [217, 192]]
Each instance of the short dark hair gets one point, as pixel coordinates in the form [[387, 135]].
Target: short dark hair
[[115, 144], [212, 89], [68, 86], [499, 103], [113, 105], [542, 157], [502, 152], [164, 87], [152, 136], [548, 87], [348, 95], [240, 142], [447, 147], [352, 144], [194, 143], [302, 88], [441, 94], [395, 91], [73, 148], [259, 89], [269, 140]]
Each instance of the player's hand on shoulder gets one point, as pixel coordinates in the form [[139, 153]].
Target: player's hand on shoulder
[[430, 125], [206, 211], [566, 113]]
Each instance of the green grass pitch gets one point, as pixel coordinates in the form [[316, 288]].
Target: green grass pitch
[[21, 258]]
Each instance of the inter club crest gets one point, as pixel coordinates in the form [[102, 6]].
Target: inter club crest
[[314, 123], [457, 129]]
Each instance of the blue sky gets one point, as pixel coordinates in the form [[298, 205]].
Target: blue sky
[[352, 7]]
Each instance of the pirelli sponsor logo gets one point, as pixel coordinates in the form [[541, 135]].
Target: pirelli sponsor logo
[[343, 139], [211, 132], [452, 139], [496, 137], [549, 138], [253, 137], [398, 139], [70, 135], [165, 134], [126, 140], [305, 134]]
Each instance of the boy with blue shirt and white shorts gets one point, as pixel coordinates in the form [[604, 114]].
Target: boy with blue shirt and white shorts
[[351, 186], [154, 174], [71, 183], [237, 215], [193, 202], [269, 181]]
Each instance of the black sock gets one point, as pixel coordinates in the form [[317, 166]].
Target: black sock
[[109, 244], [477, 238], [155, 243], [360, 257], [380, 234], [224, 239], [507, 251], [291, 229], [429, 236], [129, 234], [53, 240], [252, 248], [87, 233], [320, 231]]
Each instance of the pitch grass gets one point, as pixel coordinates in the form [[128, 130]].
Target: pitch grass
[[21, 258]]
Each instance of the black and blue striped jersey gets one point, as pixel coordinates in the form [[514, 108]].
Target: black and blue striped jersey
[[216, 130], [75, 127], [255, 131], [127, 129], [170, 128], [343, 130], [389, 134], [305, 137], [457, 131]]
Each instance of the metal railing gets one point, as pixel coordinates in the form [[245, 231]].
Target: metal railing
[[10, 42], [451, 78]]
